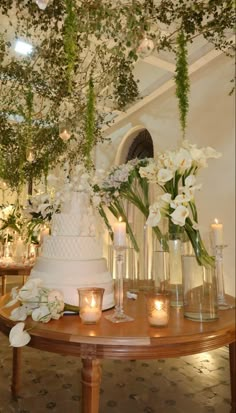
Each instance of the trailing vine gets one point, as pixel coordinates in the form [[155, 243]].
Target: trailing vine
[[88, 143], [182, 79], [70, 41]]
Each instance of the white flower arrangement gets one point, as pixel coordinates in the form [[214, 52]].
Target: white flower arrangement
[[174, 172], [41, 303]]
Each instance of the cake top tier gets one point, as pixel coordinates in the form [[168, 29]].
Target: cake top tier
[[76, 219], [77, 203]]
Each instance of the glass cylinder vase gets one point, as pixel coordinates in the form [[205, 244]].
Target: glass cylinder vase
[[199, 290], [175, 269]]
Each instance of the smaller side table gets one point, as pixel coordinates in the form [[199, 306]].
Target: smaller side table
[[14, 269]]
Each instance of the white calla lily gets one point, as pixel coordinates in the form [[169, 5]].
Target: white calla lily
[[154, 215], [164, 175], [179, 215], [19, 314], [18, 337], [30, 289], [42, 314]]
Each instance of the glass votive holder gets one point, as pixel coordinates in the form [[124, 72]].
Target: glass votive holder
[[158, 308], [90, 304]]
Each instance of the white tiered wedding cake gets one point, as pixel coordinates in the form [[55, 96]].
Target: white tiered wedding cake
[[71, 256]]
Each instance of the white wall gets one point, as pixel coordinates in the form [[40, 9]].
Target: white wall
[[210, 123]]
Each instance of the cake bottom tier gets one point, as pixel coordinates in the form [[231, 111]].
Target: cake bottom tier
[[68, 276]]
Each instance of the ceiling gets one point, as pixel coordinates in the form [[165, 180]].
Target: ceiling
[[156, 71]]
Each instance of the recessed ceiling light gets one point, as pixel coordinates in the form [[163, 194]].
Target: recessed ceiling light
[[23, 47]]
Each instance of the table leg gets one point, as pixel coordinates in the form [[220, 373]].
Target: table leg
[[232, 365], [4, 279], [16, 368], [91, 379]]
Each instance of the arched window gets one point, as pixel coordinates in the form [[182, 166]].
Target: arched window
[[141, 147]]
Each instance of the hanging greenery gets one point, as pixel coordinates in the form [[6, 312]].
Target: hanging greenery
[[182, 79], [70, 41], [73, 40], [88, 143]]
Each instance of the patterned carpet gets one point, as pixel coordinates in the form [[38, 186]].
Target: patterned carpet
[[51, 383]]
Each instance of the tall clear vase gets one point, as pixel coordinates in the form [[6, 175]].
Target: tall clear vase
[[175, 269], [199, 290]]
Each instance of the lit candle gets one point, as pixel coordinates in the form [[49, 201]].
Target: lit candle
[[43, 234], [217, 231], [91, 313], [119, 234], [158, 315], [65, 135]]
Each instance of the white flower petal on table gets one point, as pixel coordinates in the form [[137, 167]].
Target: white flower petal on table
[[18, 337]]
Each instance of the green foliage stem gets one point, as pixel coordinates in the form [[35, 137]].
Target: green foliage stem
[[182, 79], [70, 41], [89, 126]]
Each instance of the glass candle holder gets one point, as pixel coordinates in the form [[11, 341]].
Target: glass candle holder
[[158, 308], [90, 304]]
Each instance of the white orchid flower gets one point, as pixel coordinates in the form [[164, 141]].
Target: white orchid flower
[[18, 337], [154, 215], [42, 314], [179, 215], [19, 314], [164, 175]]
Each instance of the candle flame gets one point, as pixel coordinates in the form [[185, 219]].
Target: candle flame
[[158, 305], [93, 302], [120, 219], [216, 221]]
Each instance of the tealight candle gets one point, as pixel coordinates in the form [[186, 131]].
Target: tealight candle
[[217, 231], [158, 307], [119, 234], [90, 304]]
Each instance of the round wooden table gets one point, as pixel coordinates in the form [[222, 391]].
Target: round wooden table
[[131, 340]]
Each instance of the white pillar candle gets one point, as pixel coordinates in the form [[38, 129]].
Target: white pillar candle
[[20, 250], [217, 231], [119, 234]]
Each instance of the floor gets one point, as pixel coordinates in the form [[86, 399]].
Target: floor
[[51, 383]]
